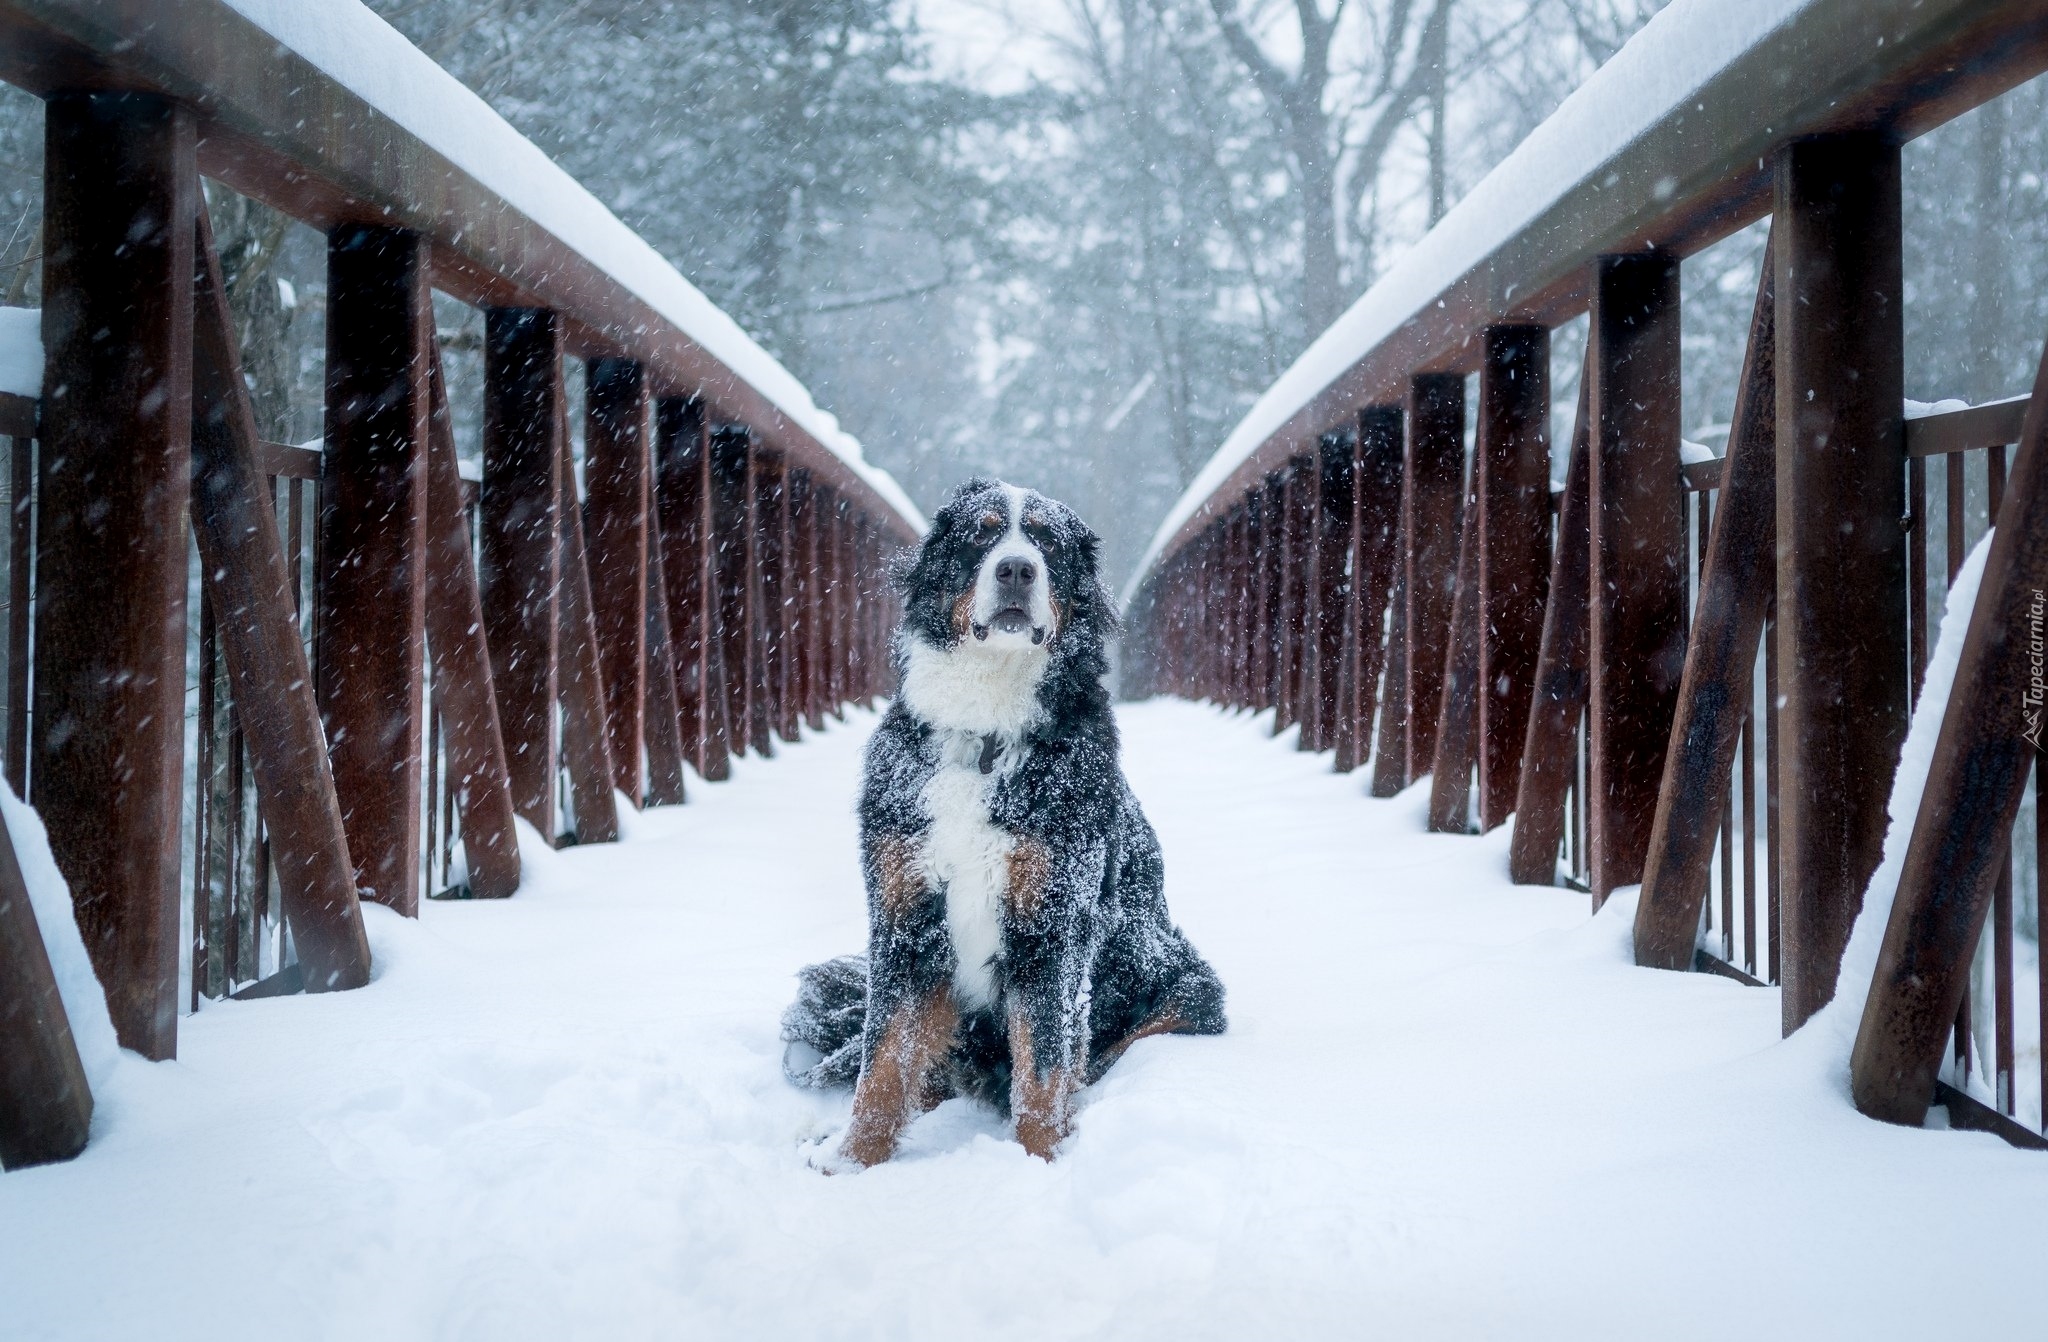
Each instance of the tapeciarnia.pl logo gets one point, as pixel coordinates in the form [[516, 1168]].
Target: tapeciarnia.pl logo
[[2037, 654]]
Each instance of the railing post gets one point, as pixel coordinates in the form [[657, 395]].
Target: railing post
[[733, 539], [519, 561], [115, 464], [1841, 622], [1287, 599], [764, 604], [460, 658], [1259, 607], [1636, 642], [120, 192], [242, 558], [831, 630], [1335, 519], [1511, 469], [45, 1099], [1273, 608], [1375, 511], [689, 561], [586, 747], [1432, 508], [1550, 749], [1457, 719], [1737, 575], [801, 578], [616, 484], [1305, 481], [848, 606], [1240, 601], [772, 500], [665, 752], [1390, 740], [370, 661], [1961, 842]]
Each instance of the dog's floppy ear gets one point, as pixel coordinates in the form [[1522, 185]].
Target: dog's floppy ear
[[1094, 606], [917, 570]]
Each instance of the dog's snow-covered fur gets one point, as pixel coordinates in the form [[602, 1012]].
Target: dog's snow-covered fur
[[1018, 939]]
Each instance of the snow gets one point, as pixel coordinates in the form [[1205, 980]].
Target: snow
[[1949, 405], [21, 351], [85, 1004], [1667, 62], [1859, 961], [373, 60], [1446, 1107], [1694, 454]]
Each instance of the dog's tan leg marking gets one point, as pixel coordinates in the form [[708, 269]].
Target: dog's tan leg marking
[[898, 876], [894, 1077], [1167, 1021], [1030, 872], [1043, 1105]]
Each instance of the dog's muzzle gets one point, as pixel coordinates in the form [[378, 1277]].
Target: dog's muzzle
[[1015, 578]]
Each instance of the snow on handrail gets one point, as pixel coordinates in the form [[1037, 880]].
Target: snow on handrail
[[1713, 78], [373, 60]]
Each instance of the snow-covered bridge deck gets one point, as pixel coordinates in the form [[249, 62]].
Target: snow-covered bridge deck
[[1447, 1107]]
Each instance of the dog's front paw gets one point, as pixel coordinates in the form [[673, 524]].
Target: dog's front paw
[[828, 1156]]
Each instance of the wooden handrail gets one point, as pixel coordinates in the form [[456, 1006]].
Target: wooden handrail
[[277, 127], [1681, 182]]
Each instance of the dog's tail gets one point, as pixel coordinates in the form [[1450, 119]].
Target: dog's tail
[[821, 1030]]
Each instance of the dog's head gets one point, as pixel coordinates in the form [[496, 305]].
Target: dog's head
[[1007, 569]]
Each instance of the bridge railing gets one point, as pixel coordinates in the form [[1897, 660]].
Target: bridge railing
[[380, 664], [1696, 676]]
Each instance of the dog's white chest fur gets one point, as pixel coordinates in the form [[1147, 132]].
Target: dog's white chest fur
[[967, 693], [968, 857]]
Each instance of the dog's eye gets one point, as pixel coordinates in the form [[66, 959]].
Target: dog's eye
[[990, 522]]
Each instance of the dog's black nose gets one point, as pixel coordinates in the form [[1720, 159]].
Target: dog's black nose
[[1014, 572]]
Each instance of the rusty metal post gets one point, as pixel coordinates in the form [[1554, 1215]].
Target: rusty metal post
[[519, 562], [1511, 484], [1432, 510], [616, 471], [45, 1100], [234, 513], [370, 639], [1841, 613], [120, 191], [1550, 749], [1737, 575], [1636, 556], [1991, 735], [586, 745], [461, 663], [683, 498]]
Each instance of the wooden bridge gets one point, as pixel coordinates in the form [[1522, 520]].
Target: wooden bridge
[[394, 660], [1584, 659]]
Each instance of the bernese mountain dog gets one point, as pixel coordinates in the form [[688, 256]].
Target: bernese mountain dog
[[1018, 939]]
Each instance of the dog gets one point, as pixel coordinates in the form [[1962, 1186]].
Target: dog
[[1018, 938]]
